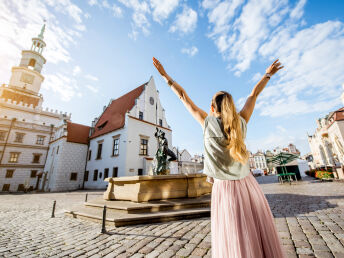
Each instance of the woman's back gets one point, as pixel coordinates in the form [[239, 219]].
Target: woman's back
[[217, 161]]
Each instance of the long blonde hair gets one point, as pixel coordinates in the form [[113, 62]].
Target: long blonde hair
[[224, 104]]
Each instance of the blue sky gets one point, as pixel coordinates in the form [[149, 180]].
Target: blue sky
[[98, 50]]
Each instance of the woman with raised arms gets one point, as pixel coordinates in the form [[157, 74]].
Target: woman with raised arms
[[242, 225]]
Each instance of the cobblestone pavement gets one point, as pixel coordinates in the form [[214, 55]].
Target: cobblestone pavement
[[308, 214]]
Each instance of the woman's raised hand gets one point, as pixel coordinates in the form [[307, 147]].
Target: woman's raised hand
[[159, 67], [274, 67]]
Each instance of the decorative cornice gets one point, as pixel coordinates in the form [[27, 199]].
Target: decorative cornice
[[25, 129], [27, 69], [21, 166], [33, 111], [25, 146]]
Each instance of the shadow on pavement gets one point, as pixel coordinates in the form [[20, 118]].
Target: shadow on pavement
[[291, 205]]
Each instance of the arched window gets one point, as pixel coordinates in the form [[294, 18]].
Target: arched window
[[32, 63]]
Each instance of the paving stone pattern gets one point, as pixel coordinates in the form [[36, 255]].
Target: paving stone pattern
[[308, 214]]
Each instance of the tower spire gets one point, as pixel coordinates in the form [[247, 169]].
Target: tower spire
[[41, 35]]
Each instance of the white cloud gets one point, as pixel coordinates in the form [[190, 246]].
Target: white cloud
[[93, 2], [22, 20], [92, 88], [190, 51], [139, 16], [297, 12], [314, 67], [209, 3], [185, 22], [116, 10], [240, 103], [62, 84], [76, 70], [91, 77], [256, 77], [163, 8], [281, 128], [238, 37]]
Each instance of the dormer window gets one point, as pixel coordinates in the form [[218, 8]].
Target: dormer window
[[102, 125], [141, 115]]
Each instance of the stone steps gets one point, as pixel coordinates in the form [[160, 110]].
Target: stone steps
[[117, 219], [151, 206], [122, 213]]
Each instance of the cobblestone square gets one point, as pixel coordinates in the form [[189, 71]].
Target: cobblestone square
[[308, 214]]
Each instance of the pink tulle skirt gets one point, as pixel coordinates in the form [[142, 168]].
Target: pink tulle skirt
[[242, 225]]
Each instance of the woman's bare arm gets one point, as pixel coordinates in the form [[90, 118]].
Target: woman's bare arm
[[198, 114], [248, 108]]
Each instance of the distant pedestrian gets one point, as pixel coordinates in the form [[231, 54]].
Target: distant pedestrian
[[242, 225]]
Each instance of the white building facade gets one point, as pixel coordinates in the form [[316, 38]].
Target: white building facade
[[66, 161], [25, 128], [260, 161], [327, 143], [122, 140], [188, 164]]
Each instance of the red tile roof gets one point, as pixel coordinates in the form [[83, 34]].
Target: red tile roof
[[337, 115], [77, 133], [113, 117]]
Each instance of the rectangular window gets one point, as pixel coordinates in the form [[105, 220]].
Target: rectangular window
[[144, 147], [6, 187], [73, 176], [57, 150], [86, 176], [40, 139], [115, 172], [14, 156], [9, 173], [33, 173], [140, 171], [21, 188], [89, 154], [141, 115], [106, 173], [115, 150], [2, 135], [99, 152], [36, 158], [160, 122], [19, 137], [95, 175]]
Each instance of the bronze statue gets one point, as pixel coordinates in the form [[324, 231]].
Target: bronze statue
[[161, 167]]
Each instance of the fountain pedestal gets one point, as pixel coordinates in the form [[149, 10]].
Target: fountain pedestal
[[156, 187]]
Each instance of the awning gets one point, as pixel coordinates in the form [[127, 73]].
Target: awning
[[282, 158]]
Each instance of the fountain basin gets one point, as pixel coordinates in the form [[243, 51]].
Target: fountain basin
[[156, 187]]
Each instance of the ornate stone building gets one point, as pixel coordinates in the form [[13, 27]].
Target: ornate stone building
[[260, 160], [25, 128], [327, 143]]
